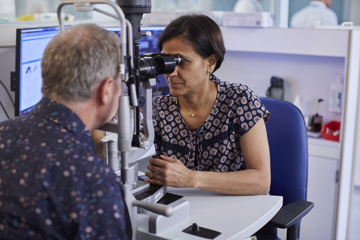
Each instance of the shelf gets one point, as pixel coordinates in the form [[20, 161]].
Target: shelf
[[314, 42], [8, 30]]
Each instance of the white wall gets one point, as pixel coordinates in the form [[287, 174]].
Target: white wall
[[353, 11], [356, 173], [357, 156], [7, 9], [354, 6], [303, 76]]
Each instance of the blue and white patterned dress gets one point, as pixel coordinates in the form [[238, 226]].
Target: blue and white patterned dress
[[52, 183], [214, 146]]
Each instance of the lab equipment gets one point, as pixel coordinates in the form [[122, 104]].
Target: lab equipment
[[194, 229], [153, 64], [316, 120]]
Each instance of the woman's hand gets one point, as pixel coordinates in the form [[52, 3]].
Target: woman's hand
[[169, 172]]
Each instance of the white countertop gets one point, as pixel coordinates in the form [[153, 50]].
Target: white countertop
[[236, 217]]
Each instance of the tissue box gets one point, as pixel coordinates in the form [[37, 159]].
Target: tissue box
[[255, 19]]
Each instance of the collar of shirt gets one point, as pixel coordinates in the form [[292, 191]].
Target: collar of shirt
[[61, 115], [317, 4]]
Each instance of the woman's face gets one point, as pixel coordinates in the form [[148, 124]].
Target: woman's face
[[190, 76]]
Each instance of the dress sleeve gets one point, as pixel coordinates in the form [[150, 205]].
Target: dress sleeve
[[249, 110]]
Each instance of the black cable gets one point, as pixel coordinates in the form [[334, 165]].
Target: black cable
[[7, 115], [7, 91]]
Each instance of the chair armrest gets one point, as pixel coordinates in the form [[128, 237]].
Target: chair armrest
[[291, 213]]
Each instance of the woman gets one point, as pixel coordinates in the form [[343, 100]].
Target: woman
[[248, 6], [210, 134]]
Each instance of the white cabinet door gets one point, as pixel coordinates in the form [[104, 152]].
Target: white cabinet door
[[322, 191]]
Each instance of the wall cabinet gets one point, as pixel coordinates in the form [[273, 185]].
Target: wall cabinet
[[322, 190]]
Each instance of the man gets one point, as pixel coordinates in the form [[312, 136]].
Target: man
[[317, 13], [52, 183]]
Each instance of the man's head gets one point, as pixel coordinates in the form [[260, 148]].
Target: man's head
[[78, 59], [327, 2], [82, 64]]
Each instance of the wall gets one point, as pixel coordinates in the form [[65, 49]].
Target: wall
[[356, 173], [226, 5], [353, 12], [7, 59], [337, 6], [7, 9], [303, 76]]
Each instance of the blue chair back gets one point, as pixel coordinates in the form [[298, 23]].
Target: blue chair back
[[288, 145]]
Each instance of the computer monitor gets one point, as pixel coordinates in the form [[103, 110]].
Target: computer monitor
[[30, 45]]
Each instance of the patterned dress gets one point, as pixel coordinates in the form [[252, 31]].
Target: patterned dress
[[215, 145], [52, 184]]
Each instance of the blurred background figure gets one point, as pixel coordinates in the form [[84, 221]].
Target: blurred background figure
[[248, 6], [317, 13]]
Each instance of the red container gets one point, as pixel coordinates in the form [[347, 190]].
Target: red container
[[331, 131]]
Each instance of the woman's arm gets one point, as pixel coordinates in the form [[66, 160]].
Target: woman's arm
[[252, 181]]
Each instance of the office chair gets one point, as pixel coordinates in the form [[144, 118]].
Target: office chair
[[288, 145]]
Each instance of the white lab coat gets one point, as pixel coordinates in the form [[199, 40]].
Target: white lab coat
[[315, 14], [248, 6]]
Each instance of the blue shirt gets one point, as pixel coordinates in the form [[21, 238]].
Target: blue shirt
[[215, 145], [315, 14], [52, 183]]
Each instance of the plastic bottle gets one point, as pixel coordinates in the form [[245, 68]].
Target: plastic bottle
[[336, 95]]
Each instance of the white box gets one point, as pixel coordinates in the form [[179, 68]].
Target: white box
[[164, 17], [255, 19]]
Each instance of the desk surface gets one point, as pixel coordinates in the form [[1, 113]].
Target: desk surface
[[236, 217]]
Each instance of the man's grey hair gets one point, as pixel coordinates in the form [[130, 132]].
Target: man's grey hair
[[77, 59]]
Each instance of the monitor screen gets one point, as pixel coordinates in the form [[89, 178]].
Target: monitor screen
[[30, 45]]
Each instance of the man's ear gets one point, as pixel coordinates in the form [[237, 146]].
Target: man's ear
[[105, 90], [212, 61]]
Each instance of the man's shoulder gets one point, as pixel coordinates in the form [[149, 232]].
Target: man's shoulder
[[15, 124], [5, 125], [331, 13]]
